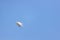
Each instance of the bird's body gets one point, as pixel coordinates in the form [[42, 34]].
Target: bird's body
[[19, 24]]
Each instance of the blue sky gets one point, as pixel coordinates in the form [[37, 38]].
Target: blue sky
[[40, 18]]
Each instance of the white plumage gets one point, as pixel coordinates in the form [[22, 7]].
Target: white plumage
[[19, 24]]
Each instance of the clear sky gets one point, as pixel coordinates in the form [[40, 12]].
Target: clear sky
[[40, 18]]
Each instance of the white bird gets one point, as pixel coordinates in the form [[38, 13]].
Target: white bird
[[19, 24]]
